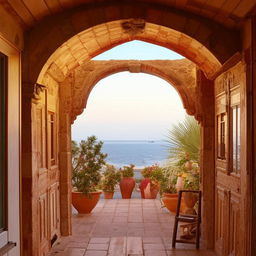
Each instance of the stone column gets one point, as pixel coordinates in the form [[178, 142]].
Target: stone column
[[207, 157], [65, 158]]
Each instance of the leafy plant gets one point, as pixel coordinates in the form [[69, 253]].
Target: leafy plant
[[156, 176], [155, 173], [184, 149], [127, 171], [110, 178], [168, 184], [87, 161], [191, 179], [184, 141]]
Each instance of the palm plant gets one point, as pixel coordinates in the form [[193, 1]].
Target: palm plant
[[184, 141]]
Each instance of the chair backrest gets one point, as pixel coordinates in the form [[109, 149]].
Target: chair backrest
[[199, 192]]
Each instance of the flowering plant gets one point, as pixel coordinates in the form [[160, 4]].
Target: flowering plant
[[191, 176], [169, 180], [146, 172], [154, 173]]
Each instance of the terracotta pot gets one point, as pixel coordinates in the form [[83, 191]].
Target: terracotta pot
[[190, 200], [170, 201], [143, 185], [108, 195], [151, 192], [126, 186], [85, 203]]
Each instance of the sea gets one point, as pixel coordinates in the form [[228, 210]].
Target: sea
[[141, 153]]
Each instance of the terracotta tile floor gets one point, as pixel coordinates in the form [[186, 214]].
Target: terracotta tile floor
[[124, 227]]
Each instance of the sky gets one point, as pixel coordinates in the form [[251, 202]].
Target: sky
[[130, 106]]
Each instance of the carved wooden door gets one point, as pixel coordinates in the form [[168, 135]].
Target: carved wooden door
[[228, 167], [46, 131]]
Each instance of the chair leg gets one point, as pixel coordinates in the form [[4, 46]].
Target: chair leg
[[174, 236], [198, 222], [197, 234]]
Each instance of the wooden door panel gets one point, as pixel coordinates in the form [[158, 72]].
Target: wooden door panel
[[54, 215], [219, 221], [222, 218], [230, 182], [234, 224], [43, 221]]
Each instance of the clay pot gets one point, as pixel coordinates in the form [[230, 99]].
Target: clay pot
[[126, 186], [170, 201], [190, 200], [85, 203], [151, 192], [108, 195], [143, 185]]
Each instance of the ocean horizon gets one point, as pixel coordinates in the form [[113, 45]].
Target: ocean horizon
[[141, 153]]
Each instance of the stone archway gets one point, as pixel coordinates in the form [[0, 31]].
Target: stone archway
[[52, 68], [91, 42], [62, 35], [179, 73], [195, 90]]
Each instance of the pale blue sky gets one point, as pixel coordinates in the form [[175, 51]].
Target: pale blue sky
[[128, 106], [138, 50]]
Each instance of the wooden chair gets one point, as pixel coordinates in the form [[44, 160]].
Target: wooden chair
[[193, 220]]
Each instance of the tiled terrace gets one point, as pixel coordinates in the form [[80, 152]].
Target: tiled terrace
[[121, 227]]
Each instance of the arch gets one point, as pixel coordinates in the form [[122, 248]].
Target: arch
[[201, 40], [179, 73]]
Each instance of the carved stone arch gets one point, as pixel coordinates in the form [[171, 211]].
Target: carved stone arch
[[179, 73], [204, 41]]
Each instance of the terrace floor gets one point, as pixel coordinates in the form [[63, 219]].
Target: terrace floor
[[124, 227]]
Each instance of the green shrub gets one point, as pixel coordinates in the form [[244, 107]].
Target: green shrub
[[127, 171], [87, 161], [110, 179]]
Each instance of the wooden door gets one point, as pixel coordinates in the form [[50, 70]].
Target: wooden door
[[47, 177], [228, 167]]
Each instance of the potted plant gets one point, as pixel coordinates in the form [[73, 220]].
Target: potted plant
[[154, 176], [168, 190], [110, 179], [127, 182], [184, 151], [87, 161], [145, 172], [191, 182]]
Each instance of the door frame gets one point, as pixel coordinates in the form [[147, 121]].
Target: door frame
[[13, 233]]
